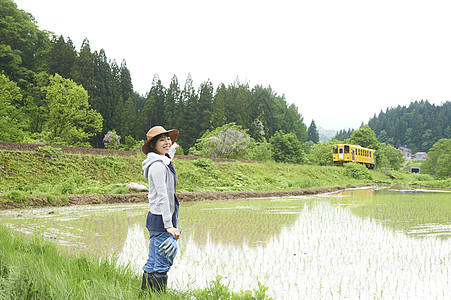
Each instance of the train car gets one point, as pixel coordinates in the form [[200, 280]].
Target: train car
[[344, 153]]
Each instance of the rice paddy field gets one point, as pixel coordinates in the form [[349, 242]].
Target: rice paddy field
[[372, 243]]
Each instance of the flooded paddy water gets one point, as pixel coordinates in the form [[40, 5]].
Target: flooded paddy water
[[372, 243]]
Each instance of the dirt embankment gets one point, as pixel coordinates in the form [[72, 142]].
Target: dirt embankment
[[93, 199]]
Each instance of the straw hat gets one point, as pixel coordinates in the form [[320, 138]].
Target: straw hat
[[156, 130]]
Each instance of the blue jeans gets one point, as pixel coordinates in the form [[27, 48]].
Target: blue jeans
[[156, 262]]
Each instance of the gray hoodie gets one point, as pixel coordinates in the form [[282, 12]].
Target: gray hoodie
[[161, 186]]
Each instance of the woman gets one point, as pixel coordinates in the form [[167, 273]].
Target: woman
[[163, 213]]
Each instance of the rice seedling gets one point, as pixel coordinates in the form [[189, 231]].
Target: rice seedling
[[357, 244]]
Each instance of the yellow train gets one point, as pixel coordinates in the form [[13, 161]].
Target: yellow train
[[344, 153]]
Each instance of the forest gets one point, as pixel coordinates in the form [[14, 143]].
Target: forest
[[52, 93], [37, 66], [418, 126]]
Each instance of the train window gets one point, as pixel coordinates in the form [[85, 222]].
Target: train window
[[346, 148], [341, 150], [335, 149]]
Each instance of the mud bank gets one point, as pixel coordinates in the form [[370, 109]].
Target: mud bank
[[92, 199]]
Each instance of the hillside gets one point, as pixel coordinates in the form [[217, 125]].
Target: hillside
[[326, 134], [50, 176], [417, 126]]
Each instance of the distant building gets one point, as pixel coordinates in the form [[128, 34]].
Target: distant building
[[421, 155], [406, 152]]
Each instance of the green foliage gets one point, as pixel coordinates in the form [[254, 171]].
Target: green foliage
[[321, 153], [49, 151], [287, 148], [29, 57], [203, 163], [364, 137], [217, 290], [343, 135], [417, 126], [17, 195], [439, 161], [357, 171], [11, 118], [312, 133], [262, 151], [26, 175], [130, 144], [37, 269], [388, 156], [70, 116]]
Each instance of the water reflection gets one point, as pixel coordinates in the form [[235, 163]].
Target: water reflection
[[367, 243], [327, 253]]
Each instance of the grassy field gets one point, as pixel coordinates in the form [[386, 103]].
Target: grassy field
[[35, 269], [52, 174]]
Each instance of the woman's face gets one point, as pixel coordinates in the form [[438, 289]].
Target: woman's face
[[163, 145]]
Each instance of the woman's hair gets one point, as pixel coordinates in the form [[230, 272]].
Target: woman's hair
[[154, 140]]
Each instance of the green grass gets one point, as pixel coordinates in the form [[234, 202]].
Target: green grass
[[35, 269], [48, 176]]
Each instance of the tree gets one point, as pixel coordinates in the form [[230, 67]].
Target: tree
[[389, 157], [205, 106], [126, 81], [10, 116], [61, 57], [383, 137], [312, 133], [287, 148], [71, 119], [191, 120], [219, 116], [343, 134], [294, 122], [227, 141], [171, 113], [439, 159], [364, 137], [22, 44], [321, 153]]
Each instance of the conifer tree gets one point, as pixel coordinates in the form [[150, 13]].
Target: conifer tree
[[190, 125], [171, 113], [312, 133], [219, 116], [205, 106], [61, 57]]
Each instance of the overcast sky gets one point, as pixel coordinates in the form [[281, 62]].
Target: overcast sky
[[339, 62]]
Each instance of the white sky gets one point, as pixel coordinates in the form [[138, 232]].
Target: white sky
[[339, 62]]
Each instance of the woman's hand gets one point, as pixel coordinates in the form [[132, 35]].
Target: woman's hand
[[174, 231]]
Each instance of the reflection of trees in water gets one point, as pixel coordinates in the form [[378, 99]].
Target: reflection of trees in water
[[327, 252], [410, 210], [234, 222]]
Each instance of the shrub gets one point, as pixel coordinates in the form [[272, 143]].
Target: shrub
[[111, 140], [357, 171], [50, 151], [287, 148], [262, 152], [228, 141], [203, 163]]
